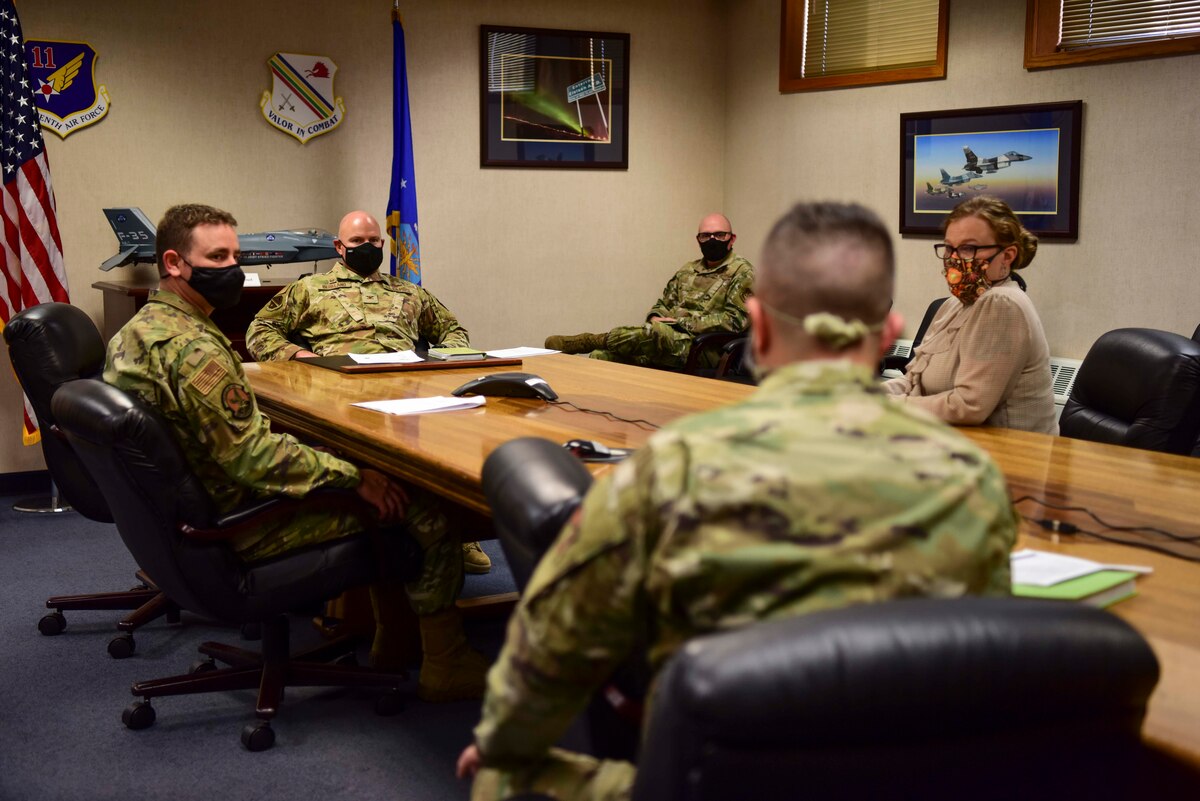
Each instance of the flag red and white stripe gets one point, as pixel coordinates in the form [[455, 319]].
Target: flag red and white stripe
[[32, 268]]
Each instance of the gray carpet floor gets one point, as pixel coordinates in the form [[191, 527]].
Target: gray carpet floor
[[61, 697]]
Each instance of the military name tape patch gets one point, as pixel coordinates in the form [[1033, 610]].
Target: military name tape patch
[[63, 75]]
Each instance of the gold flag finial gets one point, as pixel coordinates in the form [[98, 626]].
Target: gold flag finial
[[396, 13]]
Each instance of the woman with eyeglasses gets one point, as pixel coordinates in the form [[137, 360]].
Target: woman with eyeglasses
[[984, 359]]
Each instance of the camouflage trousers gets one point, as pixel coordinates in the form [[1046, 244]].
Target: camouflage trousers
[[649, 345], [441, 577], [562, 775]]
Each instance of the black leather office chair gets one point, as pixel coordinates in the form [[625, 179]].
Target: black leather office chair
[[901, 362], [172, 528], [1137, 387], [967, 698], [705, 353], [734, 365], [532, 486], [906, 699], [49, 345]]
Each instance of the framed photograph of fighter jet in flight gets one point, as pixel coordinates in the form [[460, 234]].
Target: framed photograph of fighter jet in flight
[[1028, 156], [553, 99]]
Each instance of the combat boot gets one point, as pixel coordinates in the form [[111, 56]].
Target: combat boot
[[475, 561], [580, 343], [451, 670]]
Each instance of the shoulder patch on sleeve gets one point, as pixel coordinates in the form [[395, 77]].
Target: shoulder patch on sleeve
[[237, 400], [205, 380]]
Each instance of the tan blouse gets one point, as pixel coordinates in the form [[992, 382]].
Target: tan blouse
[[985, 364]]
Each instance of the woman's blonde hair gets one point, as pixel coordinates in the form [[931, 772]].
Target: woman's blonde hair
[[1004, 224]]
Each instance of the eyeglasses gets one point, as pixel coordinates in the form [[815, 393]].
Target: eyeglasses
[[720, 236], [967, 252]]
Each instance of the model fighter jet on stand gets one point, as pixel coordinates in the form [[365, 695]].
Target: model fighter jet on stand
[[136, 235]]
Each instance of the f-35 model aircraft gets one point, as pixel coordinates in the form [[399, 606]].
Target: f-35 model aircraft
[[980, 166], [136, 235]]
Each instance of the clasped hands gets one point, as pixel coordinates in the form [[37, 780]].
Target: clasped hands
[[386, 495]]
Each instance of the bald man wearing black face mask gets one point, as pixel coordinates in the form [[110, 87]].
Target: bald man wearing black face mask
[[705, 295], [353, 308]]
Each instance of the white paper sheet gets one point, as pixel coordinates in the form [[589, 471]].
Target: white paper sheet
[[1044, 569], [520, 353], [441, 403], [399, 357]]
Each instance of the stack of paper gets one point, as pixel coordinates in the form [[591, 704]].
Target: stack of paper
[[423, 405], [398, 357], [1039, 574]]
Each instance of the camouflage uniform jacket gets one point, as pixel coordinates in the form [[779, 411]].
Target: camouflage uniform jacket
[[707, 298], [813, 493], [341, 312], [175, 359]]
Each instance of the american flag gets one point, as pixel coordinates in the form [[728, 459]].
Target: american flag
[[32, 270]]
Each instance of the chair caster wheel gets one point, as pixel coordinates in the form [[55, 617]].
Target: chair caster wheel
[[390, 704], [203, 665], [258, 736], [121, 646], [139, 715], [52, 624]]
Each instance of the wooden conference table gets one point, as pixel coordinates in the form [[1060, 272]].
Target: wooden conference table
[[445, 453]]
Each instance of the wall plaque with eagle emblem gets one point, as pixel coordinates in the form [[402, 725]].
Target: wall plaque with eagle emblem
[[301, 101], [63, 75]]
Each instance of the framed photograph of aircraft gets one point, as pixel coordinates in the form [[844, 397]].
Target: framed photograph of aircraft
[[1028, 156], [553, 99]]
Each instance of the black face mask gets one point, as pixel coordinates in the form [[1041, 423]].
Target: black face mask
[[220, 286], [714, 250], [364, 259]]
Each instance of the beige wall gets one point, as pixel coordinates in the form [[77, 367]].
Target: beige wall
[[1140, 182], [506, 249]]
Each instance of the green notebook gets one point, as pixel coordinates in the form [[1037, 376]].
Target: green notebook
[[1103, 588]]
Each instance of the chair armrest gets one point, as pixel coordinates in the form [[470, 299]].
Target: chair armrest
[[732, 356], [261, 513], [711, 340]]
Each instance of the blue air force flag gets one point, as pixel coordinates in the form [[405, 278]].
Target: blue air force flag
[[301, 101], [63, 78], [402, 200]]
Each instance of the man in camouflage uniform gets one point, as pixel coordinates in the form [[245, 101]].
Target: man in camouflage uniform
[[814, 493], [174, 358], [708, 294], [354, 308]]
